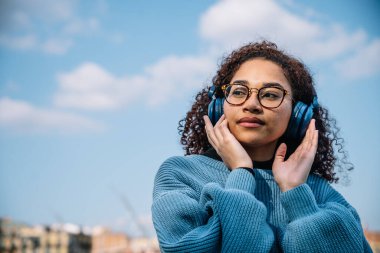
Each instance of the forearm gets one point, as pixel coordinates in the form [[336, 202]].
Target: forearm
[[225, 219], [331, 227]]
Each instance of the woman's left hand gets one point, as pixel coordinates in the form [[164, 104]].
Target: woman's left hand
[[295, 170]]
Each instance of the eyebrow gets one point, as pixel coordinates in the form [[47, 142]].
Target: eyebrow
[[264, 84]]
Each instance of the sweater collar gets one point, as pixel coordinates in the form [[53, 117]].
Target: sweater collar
[[266, 165]]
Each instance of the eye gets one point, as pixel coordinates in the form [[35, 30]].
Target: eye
[[271, 94], [238, 91]]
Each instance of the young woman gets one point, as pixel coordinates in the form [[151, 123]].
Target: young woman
[[259, 162]]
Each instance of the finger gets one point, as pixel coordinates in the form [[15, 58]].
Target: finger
[[307, 140], [280, 154], [315, 142], [311, 130], [218, 128], [224, 129], [212, 143], [220, 120], [207, 121], [309, 147], [210, 131]]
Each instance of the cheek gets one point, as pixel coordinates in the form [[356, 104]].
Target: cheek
[[228, 111], [282, 118]]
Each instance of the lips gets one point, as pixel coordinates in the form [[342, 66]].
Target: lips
[[251, 122]]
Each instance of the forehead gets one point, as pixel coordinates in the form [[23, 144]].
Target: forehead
[[258, 71]]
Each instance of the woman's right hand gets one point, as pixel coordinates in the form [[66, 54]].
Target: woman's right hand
[[226, 145]]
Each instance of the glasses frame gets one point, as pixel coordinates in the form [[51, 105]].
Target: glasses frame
[[257, 91]]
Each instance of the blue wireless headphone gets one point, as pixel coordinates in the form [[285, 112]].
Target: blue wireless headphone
[[298, 123], [300, 119], [215, 108]]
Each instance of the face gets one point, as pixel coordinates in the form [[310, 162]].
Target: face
[[253, 125]]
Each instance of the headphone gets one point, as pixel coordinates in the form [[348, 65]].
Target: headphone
[[215, 108], [298, 123]]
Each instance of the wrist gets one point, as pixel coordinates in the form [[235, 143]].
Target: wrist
[[250, 170], [242, 165], [285, 187]]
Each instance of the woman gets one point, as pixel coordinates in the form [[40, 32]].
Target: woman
[[258, 180]]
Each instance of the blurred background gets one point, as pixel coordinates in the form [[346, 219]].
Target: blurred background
[[91, 93]]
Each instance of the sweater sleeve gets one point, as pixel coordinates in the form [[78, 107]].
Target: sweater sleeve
[[228, 219], [331, 226]]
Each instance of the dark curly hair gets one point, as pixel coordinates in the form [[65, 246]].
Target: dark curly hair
[[330, 145]]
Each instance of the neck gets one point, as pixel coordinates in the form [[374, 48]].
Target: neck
[[261, 153]]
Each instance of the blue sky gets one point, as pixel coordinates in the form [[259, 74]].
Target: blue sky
[[91, 93]]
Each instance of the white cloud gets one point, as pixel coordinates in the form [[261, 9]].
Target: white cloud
[[116, 38], [233, 22], [19, 19], [173, 76], [57, 46], [20, 42], [80, 26], [41, 9], [91, 87], [53, 25], [21, 116], [364, 63]]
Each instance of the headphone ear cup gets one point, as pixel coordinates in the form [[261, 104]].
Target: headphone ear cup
[[300, 120], [304, 123], [218, 109], [215, 109], [296, 121], [211, 111]]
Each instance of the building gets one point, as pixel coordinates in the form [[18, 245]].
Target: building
[[144, 245], [16, 237], [106, 241], [19, 237], [373, 238]]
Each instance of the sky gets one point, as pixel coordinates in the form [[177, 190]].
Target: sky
[[91, 93]]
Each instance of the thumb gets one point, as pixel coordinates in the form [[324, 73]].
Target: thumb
[[280, 153]]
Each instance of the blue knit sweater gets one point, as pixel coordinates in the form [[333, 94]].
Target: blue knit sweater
[[201, 206]]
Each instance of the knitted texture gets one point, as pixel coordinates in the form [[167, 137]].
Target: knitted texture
[[200, 206]]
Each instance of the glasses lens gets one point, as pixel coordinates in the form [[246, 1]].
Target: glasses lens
[[236, 94], [271, 97]]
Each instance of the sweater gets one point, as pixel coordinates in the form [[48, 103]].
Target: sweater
[[199, 205]]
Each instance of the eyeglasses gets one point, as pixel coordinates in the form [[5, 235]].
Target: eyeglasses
[[270, 96]]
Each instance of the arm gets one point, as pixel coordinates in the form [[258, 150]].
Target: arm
[[226, 219], [333, 226]]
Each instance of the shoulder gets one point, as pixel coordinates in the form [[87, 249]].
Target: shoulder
[[180, 163], [191, 167], [185, 173], [187, 163], [180, 167]]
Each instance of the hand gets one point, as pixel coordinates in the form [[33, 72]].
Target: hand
[[226, 145], [294, 171]]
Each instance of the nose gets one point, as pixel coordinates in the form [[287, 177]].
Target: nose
[[252, 104]]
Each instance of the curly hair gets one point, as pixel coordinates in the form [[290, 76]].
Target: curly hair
[[330, 145]]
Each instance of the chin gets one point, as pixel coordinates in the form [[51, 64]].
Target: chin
[[251, 142], [255, 140]]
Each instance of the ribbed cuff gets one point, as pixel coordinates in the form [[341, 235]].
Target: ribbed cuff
[[299, 202], [241, 179], [250, 170]]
